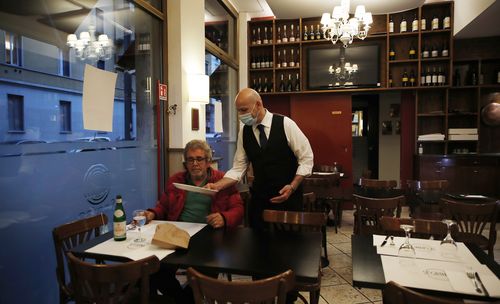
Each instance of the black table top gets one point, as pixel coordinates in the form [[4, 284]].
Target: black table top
[[240, 251], [367, 270]]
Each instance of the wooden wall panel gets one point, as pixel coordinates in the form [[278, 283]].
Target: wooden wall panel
[[407, 137], [277, 104], [329, 134]]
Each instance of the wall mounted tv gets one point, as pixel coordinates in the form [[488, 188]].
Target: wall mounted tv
[[320, 58]]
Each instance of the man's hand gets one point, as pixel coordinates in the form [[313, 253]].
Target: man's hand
[[149, 216], [212, 186], [285, 193], [215, 220]]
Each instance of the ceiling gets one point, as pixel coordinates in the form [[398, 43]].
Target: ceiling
[[485, 24]]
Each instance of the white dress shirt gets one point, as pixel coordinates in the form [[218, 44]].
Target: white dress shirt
[[297, 142]]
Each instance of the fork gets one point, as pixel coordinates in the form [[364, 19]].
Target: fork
[[471, 276]]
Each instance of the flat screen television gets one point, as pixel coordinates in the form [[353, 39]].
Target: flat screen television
[[320, 58]]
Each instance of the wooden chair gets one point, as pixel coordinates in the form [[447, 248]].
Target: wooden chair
[[377, 183], [309, 201], [423, 228], [291, 220], [377, 188], [423, 198], [210, 290], [393, 293], [68, 236], [471, 220], [116, 283], [369, 210], [328, 194]]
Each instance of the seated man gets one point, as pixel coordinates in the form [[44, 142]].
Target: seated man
[[223, 210]]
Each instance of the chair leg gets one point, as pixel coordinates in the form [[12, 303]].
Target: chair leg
[[314, 296]]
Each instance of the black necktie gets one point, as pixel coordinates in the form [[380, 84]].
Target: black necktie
[[262, 136]]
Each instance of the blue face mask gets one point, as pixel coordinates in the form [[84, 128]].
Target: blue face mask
[[247, 118]]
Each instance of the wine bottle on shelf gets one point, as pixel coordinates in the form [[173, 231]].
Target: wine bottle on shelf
[[434, 77], [420, 149], [435, 23], [254, 85], [259, 85], [414, 23], [446, 22], [278, 60], [403, 25], [289, 83], [404, 79], [473, 77], [284, 39], [292, 34], [254, 37], [425, 52], [434, 52], [318, 33], [297, 82], [391, 82], [412, 53], [284, 63], [297, 59], [441, 77], [258, 63], [266, 40], [392, 53], [422, 78], [259, 40], [264, 87], [266, 62], [445, 51], [291, 63], [391, 24], [423, 24], [271, 61], [282, 84], [428, 77], [312, 36], [304, 37], [270, 86], [278, 35], [457, 78], [253, 64], [119, 220], [412, 78]]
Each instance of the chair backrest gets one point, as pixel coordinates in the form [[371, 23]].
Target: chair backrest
[[116, 283], [309, 201], [393, 293], [422, 228], [377, 183], [68, 236], [211, 290], [323, 187], [369, 210], [423, 197], [294, 220]]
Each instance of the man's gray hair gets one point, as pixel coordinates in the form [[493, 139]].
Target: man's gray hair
[[198, 144]]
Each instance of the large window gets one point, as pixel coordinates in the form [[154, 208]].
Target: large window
[[53, 170], [16, 113]]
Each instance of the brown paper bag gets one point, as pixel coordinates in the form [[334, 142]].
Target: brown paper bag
[[170, 237]]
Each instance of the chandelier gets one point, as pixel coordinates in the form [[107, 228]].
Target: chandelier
[[90, 48], [344, 73], [338, 25]]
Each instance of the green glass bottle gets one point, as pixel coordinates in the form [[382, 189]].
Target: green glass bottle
[[119, 221]]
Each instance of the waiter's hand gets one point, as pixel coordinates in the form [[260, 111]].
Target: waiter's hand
[[212, 186], [215, 220], [285, 193], [149, 216]]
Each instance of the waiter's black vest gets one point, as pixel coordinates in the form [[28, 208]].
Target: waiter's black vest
[[274, 166]]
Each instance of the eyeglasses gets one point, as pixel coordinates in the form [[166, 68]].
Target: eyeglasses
[[191, 160]]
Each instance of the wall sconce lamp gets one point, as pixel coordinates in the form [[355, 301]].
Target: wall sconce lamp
[[199, 88]]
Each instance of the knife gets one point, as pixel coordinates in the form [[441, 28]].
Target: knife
[[385, 241], [480, 282]]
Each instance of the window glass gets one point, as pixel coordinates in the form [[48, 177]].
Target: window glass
[[52, 170], [220, 26]]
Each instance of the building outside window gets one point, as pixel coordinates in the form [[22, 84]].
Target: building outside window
[[13, 49], [16, 113], [65, 116]]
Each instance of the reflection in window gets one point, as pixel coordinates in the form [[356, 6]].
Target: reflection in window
[[220, 26], [357, 123], [65, 115], [12, 49], [16, 112]]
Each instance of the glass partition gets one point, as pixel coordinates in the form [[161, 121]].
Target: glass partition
[[52, 170]]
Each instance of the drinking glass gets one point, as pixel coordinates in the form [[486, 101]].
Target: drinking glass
[[406, 249], [448, 245], [139, 217]]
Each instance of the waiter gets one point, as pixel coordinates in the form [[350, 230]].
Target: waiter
[[279, 152]]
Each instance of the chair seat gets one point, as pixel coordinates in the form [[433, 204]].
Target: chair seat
[[479, 240]]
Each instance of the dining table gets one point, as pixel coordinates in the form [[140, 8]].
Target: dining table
[[368, 270], [242, 250]]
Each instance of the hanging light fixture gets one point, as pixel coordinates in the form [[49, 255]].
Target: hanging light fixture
[[87, 47], [344, 73], [339, 25]]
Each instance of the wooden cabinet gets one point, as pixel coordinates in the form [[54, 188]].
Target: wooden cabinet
[[478, 174]]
